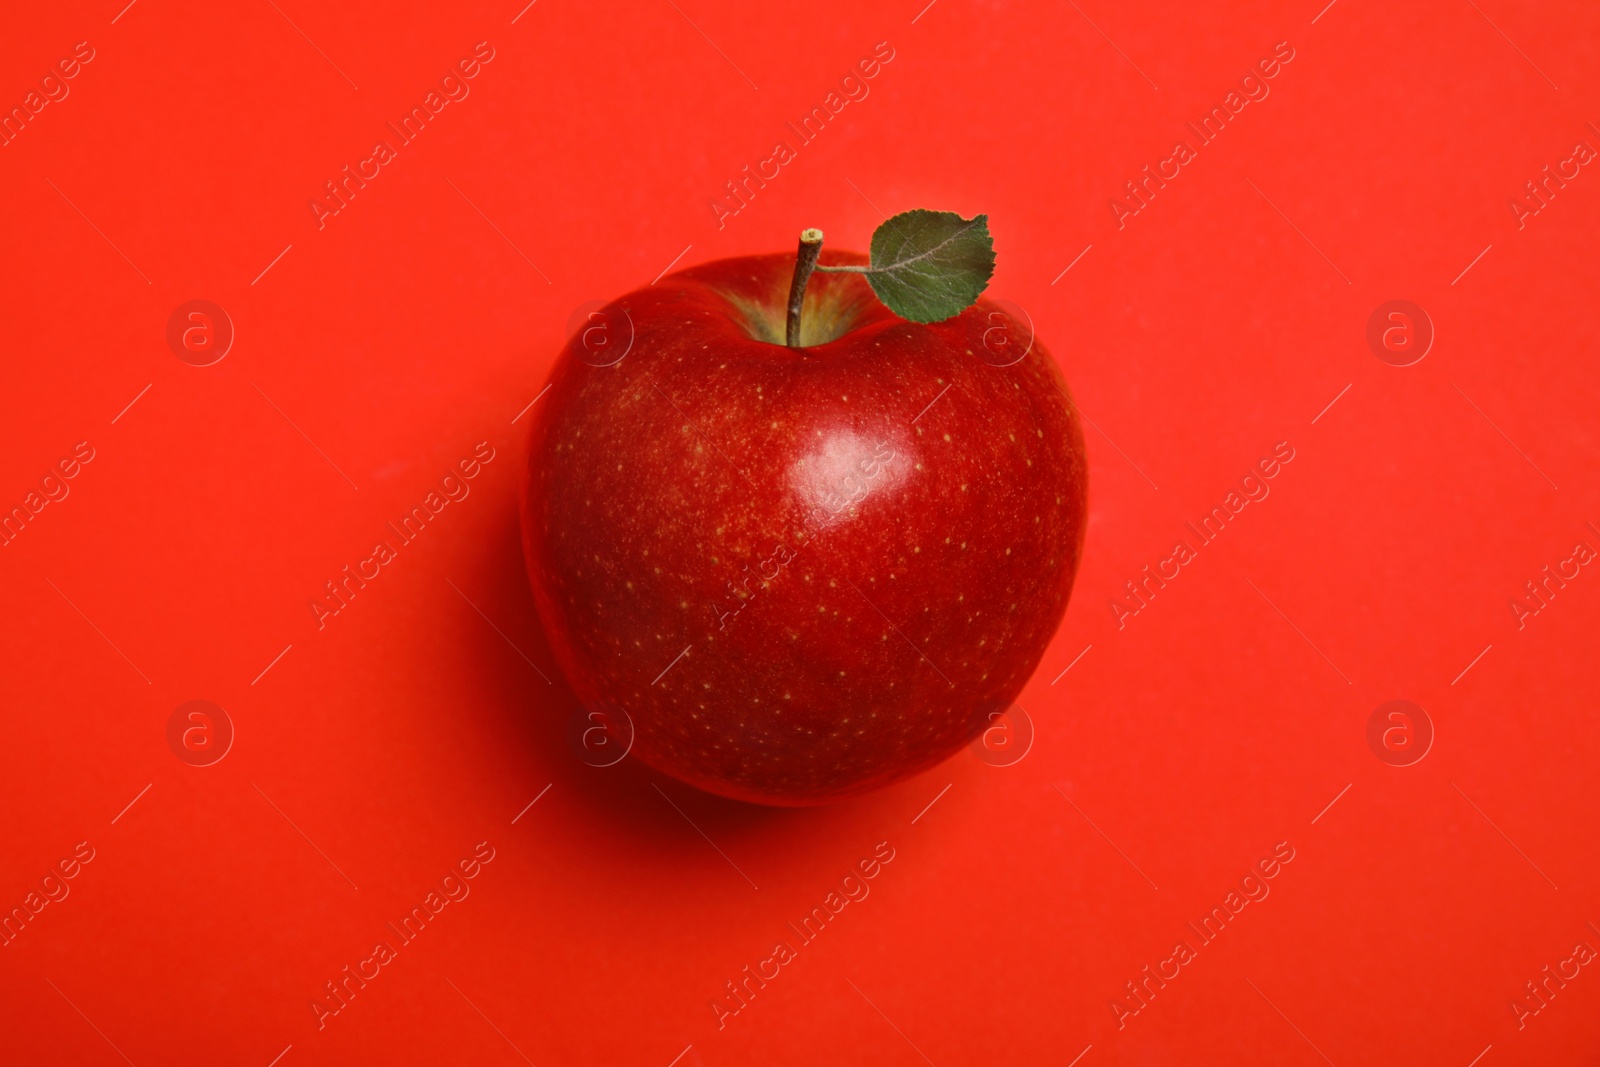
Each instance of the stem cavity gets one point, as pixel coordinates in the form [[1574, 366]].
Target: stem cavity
[[805, 262]]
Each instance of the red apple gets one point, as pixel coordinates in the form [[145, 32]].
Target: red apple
[[802, 572]]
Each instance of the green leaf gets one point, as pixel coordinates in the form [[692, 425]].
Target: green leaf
[[930, 265]]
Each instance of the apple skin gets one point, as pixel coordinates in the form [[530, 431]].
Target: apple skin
[[861, 569]]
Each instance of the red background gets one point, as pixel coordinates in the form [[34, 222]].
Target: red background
[[1176, 752]]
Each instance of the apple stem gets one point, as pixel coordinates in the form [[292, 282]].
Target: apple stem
[[805, 262]]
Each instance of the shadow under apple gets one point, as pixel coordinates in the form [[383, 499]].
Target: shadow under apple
[[534, 709]]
